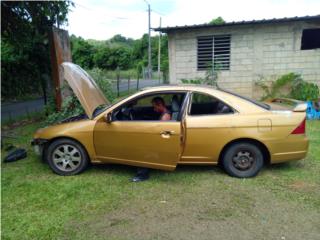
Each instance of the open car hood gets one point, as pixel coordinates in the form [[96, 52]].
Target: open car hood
[[84, 87]]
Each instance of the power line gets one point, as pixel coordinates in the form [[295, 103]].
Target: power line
[[101, 13], [156, 11]]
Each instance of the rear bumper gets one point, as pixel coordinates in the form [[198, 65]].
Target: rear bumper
[[294, 147]]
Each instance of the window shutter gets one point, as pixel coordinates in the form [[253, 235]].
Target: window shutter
[[221, 52], [205, 52], [213, 51]]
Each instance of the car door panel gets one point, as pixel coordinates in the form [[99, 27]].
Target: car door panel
[[154, 144], [206, 136]]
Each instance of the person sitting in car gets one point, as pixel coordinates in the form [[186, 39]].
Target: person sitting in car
[[159, 106]]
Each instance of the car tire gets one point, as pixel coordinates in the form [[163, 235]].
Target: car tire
[[67, 157], [243, 160]]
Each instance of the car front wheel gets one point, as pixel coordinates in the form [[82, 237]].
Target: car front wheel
[[243, 160], [67, 157]]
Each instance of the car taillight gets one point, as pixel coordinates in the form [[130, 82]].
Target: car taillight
[[301, 129]]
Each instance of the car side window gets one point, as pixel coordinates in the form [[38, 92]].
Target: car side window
[[204, 104], [142, 109]]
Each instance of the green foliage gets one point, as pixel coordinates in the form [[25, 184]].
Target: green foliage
[[192, 81], [121, 52], [217, 21], [82, 52], [305, 91], [290, 85], [120, 41], [25, 60], [211, 78], [70, 107], [111, 58]]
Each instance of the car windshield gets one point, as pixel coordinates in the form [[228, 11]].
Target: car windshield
[[100, 109], [260, 104]]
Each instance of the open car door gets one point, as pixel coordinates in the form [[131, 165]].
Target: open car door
[[152, 144], [144, 143]]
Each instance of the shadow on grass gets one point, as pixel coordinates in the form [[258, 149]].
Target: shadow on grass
[[179, 172], [286, 166]]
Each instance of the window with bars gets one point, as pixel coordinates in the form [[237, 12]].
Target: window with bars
[[214, 51]]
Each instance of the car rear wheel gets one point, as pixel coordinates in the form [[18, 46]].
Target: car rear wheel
[[243, 160], [67, 157]]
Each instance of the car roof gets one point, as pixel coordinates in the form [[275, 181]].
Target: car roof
[[241, 104], [185, 87], [180, 87]]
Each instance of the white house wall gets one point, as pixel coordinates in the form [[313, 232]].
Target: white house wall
[[257, 52]]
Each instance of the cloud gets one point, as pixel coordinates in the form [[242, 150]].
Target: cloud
[[97, 19]]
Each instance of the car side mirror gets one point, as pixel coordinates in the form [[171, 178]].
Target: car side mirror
[[108, 117]]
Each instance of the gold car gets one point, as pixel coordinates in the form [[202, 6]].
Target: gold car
[[207, 127]]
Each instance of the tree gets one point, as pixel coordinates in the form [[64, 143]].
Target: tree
[[25, 28], [82, 52], [119, 52], [101, 57], [217, 21]]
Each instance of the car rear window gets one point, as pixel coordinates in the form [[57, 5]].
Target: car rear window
[[260, 104]]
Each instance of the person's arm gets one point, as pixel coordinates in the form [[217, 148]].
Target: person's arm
[[166, 117]]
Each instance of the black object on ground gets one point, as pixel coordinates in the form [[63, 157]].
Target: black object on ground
[[15, 155], [142, 175]]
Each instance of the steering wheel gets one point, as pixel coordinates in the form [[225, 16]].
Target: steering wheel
[[127, 113]]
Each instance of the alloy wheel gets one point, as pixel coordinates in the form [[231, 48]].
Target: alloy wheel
[[66, 157]]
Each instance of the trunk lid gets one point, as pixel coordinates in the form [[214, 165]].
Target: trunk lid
[[84, 87], [287, 104]]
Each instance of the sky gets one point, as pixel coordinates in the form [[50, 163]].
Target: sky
[[102, 19]]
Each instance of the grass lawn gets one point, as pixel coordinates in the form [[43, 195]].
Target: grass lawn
[[282, 202]]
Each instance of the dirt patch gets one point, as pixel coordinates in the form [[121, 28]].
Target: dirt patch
[[302, 186], [222, 211]]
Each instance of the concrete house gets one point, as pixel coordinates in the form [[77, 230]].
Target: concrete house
[[247, 51]]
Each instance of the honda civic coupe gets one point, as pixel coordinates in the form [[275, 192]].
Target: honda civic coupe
[[207, 126]]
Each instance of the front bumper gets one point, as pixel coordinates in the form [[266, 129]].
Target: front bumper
[[38, 145]]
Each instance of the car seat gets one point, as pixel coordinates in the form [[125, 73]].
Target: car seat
[[175, 107]]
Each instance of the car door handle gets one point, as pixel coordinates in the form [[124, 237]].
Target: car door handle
[[166, 132]]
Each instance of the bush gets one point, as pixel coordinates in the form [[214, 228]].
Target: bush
[[290, 85], [305, 91], [70, 107], [211, 78], [191, 81]]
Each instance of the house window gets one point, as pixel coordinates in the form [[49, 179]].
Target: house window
[[221, 52], [310, 39], [214, 51], [205, 52]]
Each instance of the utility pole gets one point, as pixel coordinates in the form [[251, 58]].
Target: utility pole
[[159, 54], [149, 42]]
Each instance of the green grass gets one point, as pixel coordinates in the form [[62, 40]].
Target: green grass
[[102, 203]]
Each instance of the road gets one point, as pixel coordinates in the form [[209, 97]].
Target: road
[[11, 111]]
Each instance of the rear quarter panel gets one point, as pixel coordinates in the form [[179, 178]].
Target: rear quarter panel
[[208, 135], [274, 129]]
